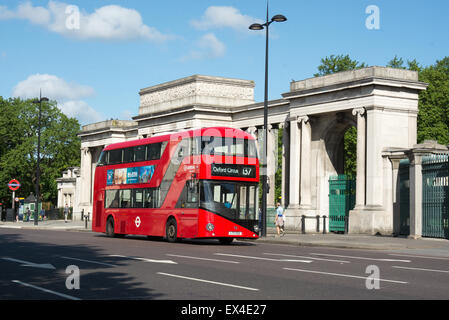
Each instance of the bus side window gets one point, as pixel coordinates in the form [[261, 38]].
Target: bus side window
[[138, 198], [115, 156], [112, 199]]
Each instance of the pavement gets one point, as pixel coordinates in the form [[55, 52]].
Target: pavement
[[439, 247]]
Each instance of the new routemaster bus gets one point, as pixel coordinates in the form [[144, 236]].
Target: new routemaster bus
[[201, 183]]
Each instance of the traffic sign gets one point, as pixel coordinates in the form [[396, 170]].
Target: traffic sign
[[14, 185]]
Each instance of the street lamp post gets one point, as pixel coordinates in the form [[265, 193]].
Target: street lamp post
[[38, 170], [258, 26]]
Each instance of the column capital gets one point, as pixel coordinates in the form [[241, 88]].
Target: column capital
[[303, 119], [359, 111]]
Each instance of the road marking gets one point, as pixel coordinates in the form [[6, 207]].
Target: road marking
[[207, 281], [206, 259], [421, 269], [424, 257], [320, 259], [360, 258], [144, 259], [46, 290], [260, 258], [343, 275], [32, 264], [89, 261]]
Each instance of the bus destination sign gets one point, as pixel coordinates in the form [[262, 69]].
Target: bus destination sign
[[233, 170]]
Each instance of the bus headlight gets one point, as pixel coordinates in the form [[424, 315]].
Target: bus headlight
[[256, 228], [210, 227]]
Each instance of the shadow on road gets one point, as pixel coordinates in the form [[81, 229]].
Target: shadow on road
[[97, 281]]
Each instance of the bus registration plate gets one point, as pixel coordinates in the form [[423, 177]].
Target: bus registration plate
[[234, 233]]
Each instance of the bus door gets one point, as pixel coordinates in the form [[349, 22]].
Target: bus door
[[188, 203]]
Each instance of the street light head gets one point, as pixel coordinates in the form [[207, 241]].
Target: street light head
[[256, 26], [279, 18], [44, 99]]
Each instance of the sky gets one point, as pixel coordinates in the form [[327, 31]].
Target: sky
[[93, 56]]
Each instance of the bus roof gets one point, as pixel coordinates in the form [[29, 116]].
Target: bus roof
[[210, 131]]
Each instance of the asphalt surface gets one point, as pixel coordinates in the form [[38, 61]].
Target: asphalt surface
[[54, 262]]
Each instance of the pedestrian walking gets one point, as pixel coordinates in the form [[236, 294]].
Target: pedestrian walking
[[28, 214], [279, 220], [66, 213]]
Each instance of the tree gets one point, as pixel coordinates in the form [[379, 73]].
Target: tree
[[60, 146], [433, 116], [334, 64]]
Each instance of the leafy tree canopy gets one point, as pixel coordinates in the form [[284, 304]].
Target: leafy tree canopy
[[60, 147]]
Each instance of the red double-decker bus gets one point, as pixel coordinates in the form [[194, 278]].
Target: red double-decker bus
[[200, 183]]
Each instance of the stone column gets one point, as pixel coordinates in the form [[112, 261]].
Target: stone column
[[285, 162], [415, 195], [86, 177], [272, 152], [306, 162], [295, 147], [361, 157], [396, 195]]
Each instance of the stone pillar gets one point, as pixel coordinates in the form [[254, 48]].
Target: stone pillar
[[361, 157], [295, 146], [272, 152], [306, 162], [86, 177], [415, 195], [285, 162], [396, 195]]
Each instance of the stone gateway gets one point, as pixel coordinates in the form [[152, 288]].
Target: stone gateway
[[313, 116]]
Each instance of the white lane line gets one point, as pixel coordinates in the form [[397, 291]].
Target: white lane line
[[260, 258], [318, 259], [198, 258], [343, 275], [360, 258], [207, 281], [46, 290], [89, 261], [143, 259], [421, 269], [413, 256]]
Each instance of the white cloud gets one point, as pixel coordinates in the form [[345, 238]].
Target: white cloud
[[81, 111], [52, 86], [224, 17], [111, 22], [69, 95], [208, 46]]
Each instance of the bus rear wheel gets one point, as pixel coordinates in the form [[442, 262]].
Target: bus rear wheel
[[171, 231]]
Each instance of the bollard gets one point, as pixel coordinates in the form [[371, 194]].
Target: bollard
[[324, 224], [346, 224], [303, 224], [318, 224], [85, 221]]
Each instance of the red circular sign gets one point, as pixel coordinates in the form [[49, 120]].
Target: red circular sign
[[14, 185]]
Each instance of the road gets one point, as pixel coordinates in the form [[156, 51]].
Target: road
[[42, 264]]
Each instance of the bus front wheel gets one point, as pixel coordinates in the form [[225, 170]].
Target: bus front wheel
[[110, 228], [171, 230]]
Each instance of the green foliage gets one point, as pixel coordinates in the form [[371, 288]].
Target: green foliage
[[433, 117], [350, 145], [333, 64], [18, 148]]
